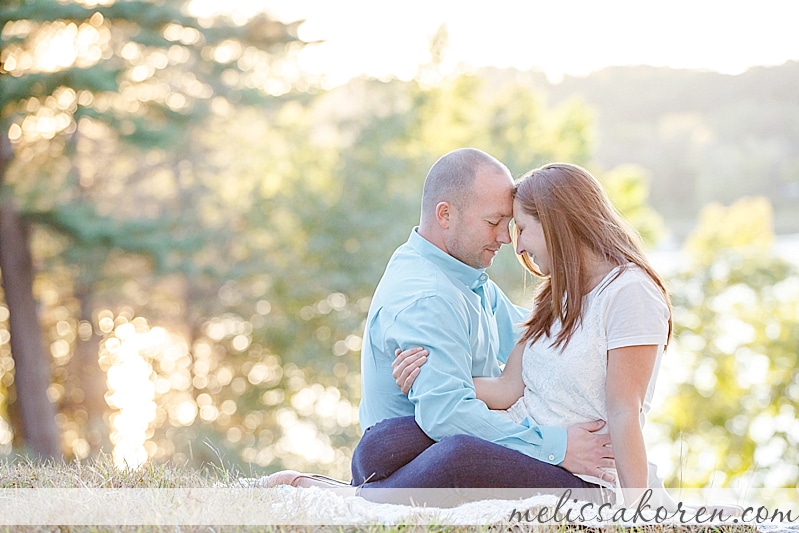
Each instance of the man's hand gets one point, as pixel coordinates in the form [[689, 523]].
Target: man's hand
[[405, 366], [588, 452]]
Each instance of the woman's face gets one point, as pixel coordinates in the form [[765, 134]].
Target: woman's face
[[530, 238]]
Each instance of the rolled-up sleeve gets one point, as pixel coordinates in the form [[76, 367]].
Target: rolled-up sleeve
[[443, 395]]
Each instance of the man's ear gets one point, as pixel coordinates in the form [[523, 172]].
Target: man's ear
[[443, 212]]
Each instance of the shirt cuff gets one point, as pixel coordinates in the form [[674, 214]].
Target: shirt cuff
[[553, 444]]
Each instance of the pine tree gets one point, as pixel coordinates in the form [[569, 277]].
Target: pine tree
[[94, 99]]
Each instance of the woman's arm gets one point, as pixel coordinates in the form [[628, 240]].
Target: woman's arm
[[629, 371], [501, 392], [497, 393]]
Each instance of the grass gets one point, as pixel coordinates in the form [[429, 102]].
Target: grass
[[101, 473]]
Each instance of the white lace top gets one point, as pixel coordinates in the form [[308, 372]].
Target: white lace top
[[565, 387]]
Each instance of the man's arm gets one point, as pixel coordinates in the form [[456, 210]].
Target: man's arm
[[586, 452], [509, 318], [443, 394]]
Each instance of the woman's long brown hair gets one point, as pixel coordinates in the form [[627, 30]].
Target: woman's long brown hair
[[579, 221]]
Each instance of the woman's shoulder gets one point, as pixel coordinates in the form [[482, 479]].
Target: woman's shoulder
[[629, 280], [634, 309], [631, 274]]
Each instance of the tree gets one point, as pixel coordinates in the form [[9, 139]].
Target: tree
[[36, 412], [92, 98], [732, 415], [628, 187]]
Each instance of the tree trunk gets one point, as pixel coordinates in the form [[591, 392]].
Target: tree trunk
[[32, 365], [90, 377]]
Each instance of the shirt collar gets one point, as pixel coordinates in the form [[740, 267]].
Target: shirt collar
[[469, 276]]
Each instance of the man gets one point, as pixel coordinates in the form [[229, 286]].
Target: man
[[435, 293]]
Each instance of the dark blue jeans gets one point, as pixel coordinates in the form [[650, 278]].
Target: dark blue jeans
[[396, 454]]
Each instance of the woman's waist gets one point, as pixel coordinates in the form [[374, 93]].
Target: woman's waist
[[557, 414]]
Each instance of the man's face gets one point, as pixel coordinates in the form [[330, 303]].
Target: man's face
[[480, 228]]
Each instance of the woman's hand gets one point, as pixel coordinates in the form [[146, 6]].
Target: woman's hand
[[406, 366]]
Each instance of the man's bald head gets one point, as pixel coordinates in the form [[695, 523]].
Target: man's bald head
[[452, 179]]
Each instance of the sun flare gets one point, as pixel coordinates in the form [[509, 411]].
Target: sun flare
[[133, 386]]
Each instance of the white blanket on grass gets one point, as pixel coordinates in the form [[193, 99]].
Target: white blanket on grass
[[312, 506]]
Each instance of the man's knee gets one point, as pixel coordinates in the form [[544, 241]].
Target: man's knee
[[390, 426], [463, 445], [386, 447]]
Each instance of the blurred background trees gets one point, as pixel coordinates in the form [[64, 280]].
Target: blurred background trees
[[205, 227], [731, 401], [102, 103]]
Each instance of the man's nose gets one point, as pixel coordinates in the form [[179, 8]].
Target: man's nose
[[504, 235]]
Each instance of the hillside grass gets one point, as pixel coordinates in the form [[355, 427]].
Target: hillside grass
[[101, 473]]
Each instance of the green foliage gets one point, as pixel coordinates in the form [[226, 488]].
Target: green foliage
[[18, 90], [103, 146], [89, 230], [146, 80], [628, 188], [732, 416], [746, 225]]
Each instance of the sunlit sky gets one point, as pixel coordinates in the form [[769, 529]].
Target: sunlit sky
[[572, 37]]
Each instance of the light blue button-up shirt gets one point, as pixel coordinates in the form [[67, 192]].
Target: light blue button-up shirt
[[428, 298]]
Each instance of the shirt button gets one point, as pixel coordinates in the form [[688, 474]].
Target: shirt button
[[551, 457]]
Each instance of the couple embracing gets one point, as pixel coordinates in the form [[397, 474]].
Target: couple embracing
[[567, 410]]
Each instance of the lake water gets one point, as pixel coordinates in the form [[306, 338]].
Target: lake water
[[670, 256]]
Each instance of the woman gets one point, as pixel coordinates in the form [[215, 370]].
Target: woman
[[600, 321]]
